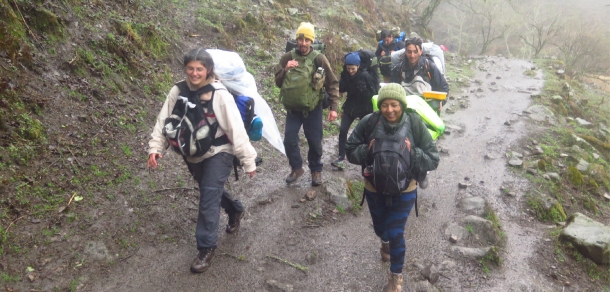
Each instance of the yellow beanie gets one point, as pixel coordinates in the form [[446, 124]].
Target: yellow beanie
[[306, 30]]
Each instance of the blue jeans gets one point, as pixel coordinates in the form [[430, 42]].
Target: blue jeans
[[211, 174], [389, 222], [312, 127]]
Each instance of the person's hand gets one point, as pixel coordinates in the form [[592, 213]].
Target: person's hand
[[371, 144], [392, 52], [152, 160], [332, 115], [291, 64], [408, 144], [382, 53], [251, 174]]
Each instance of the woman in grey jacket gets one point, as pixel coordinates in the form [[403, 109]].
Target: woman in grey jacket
[[213, 168]]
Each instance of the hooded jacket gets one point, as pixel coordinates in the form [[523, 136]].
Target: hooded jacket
[[229, 120], [424, 155]]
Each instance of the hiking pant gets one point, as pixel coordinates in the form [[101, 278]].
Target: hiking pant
[[312, 127], [211, 174], [389, 222], [346, 122]]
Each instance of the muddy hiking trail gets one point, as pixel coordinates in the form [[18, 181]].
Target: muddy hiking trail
[[287, 243]]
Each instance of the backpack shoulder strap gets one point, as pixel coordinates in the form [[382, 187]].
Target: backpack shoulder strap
[[371, 123], [183, 86]]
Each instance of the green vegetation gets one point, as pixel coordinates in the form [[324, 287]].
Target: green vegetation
[[492, 258], [355, 190], [554, 213]]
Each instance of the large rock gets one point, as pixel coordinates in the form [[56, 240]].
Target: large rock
[[540, 113], [590, 237], [471, 252], [337, 190], [458, 232], [484, 229], [472, 205]]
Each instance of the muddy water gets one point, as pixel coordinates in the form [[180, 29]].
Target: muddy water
[[341, 251]]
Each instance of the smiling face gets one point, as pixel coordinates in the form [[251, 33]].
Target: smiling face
[[303, 45], [413, 53], [196, 73], [391, 110], [351, 69]]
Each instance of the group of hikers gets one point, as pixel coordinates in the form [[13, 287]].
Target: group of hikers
[[393, 139]]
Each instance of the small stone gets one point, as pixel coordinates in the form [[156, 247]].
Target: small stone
[[515, 162], [531, 171], [489, 157], [463, 185], [607, 196], [567, 283], [595, 156], [507, 123], [31, 277], [295, 206], [35, 220], [453, 239], [311, 195], [498, 77], [302, 200], [493, 83]]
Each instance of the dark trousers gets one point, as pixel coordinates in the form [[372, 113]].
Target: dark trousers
[[312, 127], [389, 222], [346, 122], [211, 174]]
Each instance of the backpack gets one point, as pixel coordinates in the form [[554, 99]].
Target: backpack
[[368, 62], [297, 92], [436, 54], [190, 133], [187, 128], [316, 45], [388, 166]]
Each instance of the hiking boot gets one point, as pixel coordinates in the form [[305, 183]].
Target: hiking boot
[[234, 220], [394, 283], [385, 251], [203, 260], [316, 178], [339, 163], [424, 183], [294, 175]]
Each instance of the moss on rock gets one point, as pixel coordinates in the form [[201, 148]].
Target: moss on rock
[[574, 176]]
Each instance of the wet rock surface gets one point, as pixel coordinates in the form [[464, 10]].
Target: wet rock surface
[[590, 237]]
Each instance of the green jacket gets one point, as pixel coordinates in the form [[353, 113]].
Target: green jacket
[[424, 155]]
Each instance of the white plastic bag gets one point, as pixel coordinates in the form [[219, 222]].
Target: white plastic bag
[[231, 71]]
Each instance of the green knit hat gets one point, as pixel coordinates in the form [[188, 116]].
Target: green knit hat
[[393, 91]]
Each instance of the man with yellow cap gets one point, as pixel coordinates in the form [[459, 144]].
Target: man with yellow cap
[[390, 201], [301, 74]]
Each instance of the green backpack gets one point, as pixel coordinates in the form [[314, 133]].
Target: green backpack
[[297, 92]]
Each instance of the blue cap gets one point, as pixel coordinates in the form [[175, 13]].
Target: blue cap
[[352, 59]]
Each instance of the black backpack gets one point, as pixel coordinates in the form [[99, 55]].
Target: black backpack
[[368, 63], [316, 45], [187, 128], [388, 166], [189, 131]]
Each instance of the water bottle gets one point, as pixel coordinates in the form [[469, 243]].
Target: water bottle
[[318, 79]]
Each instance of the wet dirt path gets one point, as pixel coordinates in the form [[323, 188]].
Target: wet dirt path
[[341, 251]]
